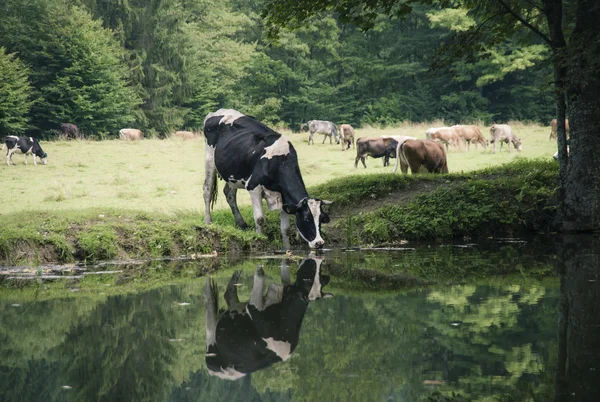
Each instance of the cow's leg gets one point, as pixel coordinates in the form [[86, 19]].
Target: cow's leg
[[356, 161], [210, 181], [8, 156], [415, 167], [259, 217], [34, 160], [258, 287], [211, 303], [231, 295], [26, 157], [494, 146], [284, 225], [231, 197], [324, 138], [362, 159], [310, 138], [286, 278]]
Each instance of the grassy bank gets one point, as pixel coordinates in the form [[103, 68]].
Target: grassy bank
[[367, 210]]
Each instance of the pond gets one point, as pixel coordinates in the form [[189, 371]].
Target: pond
[[480, 321]]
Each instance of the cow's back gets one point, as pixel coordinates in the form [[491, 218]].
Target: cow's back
[[500, 132], [243, 141], [427, 153]]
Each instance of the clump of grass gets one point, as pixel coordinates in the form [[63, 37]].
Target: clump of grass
[[55, 198], [99, 243]]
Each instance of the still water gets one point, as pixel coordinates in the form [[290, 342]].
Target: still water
[[377, 325]]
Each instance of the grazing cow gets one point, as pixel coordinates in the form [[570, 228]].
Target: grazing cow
[[252, 336], [503, 133], [447, 135], [324, 127], [185, 135], [375, 147], [432, 130], [130, 134], [247, 154], [553, 128], [70, 131], [422, 154], [23, 145], [470, 134], [346, 136]]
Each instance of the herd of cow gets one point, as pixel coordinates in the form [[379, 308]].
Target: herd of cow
[[420, 155]]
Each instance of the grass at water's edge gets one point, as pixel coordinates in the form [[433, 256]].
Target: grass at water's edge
[[518, 196]]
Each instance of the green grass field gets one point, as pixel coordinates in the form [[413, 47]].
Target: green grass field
[[166, 176]]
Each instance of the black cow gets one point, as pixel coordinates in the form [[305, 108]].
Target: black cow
[[24, 145], [375, 147], [247, 154], [252, 336], [70, 130]]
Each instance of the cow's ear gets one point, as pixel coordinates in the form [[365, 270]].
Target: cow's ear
[[292, 209], [325, 202], [289, 209]]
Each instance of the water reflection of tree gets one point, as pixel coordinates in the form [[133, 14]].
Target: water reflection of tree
[[578, 374]]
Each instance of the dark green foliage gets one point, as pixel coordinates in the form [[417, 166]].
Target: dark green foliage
[[15, 94], [77, 67], [519, 196]]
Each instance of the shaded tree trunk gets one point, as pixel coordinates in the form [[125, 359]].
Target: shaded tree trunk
[[578, 371], [581, 187]]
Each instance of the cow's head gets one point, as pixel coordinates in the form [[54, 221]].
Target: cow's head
[[310, 281], [38, 151], [517, 143], [309, 217]]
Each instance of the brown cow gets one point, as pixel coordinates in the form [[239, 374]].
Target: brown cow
[[185, 135], [503, 133], [553, 127], [470, 134], [422, 154], [447, 135], [70, 131], [130, 134], [346, 136], [375, 147]]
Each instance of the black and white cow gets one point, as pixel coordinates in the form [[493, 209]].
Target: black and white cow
[[252, 336], [24, 145], [247, 154], [324, 127]]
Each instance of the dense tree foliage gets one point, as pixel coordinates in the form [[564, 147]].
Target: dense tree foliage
[[77, 67], [15, 94], [162, 65]]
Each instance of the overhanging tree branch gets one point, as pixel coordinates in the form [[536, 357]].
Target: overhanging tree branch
[[525, 22]]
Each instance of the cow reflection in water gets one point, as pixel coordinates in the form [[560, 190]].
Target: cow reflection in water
[[251, 336]]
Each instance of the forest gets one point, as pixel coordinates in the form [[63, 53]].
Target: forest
[[162, 65]]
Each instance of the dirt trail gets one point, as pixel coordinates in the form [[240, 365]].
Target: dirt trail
[[401, 197]]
